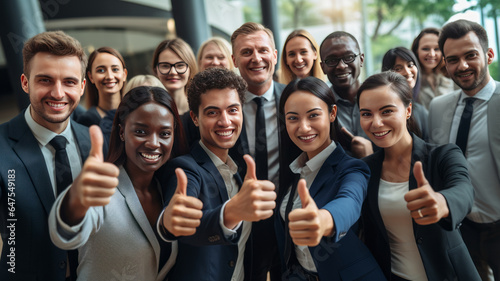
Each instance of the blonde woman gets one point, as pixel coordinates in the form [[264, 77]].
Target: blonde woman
[[300, 57], [215, 52]]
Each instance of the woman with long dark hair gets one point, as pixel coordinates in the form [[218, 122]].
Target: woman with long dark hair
[[315, 215], [418, 193]]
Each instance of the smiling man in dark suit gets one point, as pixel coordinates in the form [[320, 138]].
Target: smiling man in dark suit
[[217, 250], [54, 67]]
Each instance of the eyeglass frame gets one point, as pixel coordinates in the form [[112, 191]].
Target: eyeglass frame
[[341, 59], [174, 65]]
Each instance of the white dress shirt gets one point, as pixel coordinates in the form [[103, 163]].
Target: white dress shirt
[[481, 165], [44, 136], [227, 171], [270, 114]]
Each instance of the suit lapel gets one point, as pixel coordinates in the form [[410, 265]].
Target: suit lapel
[[134, 205], [447, 116], [28, 150], [376, 162], [325, 171], [82, 139], [204, 161]]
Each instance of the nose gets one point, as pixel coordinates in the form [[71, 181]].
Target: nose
[[433, 53], [58, 91], [304, 126], [215, 61], [341, 64], [405, 72], [224, 120], [256, 57], [109, 73], [463, 65], [152, 142], [298, 59], [377, 121]]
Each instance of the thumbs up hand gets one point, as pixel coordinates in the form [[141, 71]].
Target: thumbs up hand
[[309, 224], [183, 213], [94, 186], [254, 202], [426, 205]]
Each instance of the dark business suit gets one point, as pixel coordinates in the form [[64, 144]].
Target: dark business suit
[[443, 252], [340, 188], [36, 258], [206, 255], [262, 241]]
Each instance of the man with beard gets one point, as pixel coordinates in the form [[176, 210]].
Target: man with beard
[[31, 174], [470, 117], [341, 61]]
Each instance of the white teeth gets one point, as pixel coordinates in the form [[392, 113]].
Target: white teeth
[[465, 75], [308, 137], [381, 134], [258, 69], [225, 134], [56, 105], [150, 156], [300, 66], [343, 75]]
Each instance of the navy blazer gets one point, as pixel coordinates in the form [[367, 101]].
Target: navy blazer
[[206, 255], [443, 252], [339, 187], [30, 197]]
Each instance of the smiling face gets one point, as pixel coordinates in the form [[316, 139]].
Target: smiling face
[[219, 119], [429, 53], [467, 63], [108, 74], [300, 56], [408, 69], [307, 120], [55, 86], [343, 76], [172, 81], [383, 116], [213, 57], [148, 134], [255, 57]]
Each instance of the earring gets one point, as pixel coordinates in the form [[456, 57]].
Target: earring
[[121, 137], [408, 117]]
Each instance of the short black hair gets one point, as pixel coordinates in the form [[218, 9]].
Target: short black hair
[[214, 78], [460, 28], [338, 34]]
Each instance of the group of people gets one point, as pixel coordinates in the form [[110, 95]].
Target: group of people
[[211, 170]]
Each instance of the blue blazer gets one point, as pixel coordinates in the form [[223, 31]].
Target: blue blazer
[[443, 252], [36, 258], [340, 188], [206, 255]]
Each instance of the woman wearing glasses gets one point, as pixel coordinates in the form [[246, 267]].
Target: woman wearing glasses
[[175, 64]]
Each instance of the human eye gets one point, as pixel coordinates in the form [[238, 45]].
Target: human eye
[[304, 52], [264, 50], [411, 64], [387, 111], [291, 118], [437, 50], [397, 68], [166, 134], [100, 70], [451, 60], [246, 52], [365, 114], [471, 56], [139, 132], [426, 49], [233, 110], [291, 54], [116, 69]]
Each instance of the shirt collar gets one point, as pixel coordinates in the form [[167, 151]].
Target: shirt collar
[[218, 162], [268, 95], [42, 134], [313, 164], [484, 94]]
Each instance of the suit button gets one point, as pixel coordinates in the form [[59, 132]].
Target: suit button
[[420, 240], [232, 263], [62, 264]]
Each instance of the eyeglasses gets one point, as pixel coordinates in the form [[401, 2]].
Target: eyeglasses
[[335, 61], [165, 67]]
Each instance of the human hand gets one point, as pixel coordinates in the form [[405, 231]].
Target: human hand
[[426, 205], [360, 147]]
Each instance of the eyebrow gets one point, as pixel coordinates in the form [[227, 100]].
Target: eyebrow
[[138, 124], [382, 108], [466, 53], [310, 110], [218, 108], [114, 65], [51, 77]]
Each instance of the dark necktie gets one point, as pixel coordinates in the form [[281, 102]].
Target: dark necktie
[[260, 140], [463, 128], [288, 239], [63, 169]]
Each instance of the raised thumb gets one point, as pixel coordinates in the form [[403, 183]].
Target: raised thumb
[[251, 173], [418, 173], [181, 182], [304, 195], [96, 142]]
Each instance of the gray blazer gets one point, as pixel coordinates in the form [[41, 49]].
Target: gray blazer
[[114, 241], [442, 110]]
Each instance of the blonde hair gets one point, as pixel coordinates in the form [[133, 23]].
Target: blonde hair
[[223, 46], [250, 28], [142, 80], [286, 75]]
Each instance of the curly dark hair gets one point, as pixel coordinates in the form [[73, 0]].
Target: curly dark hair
[[214, 78]]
